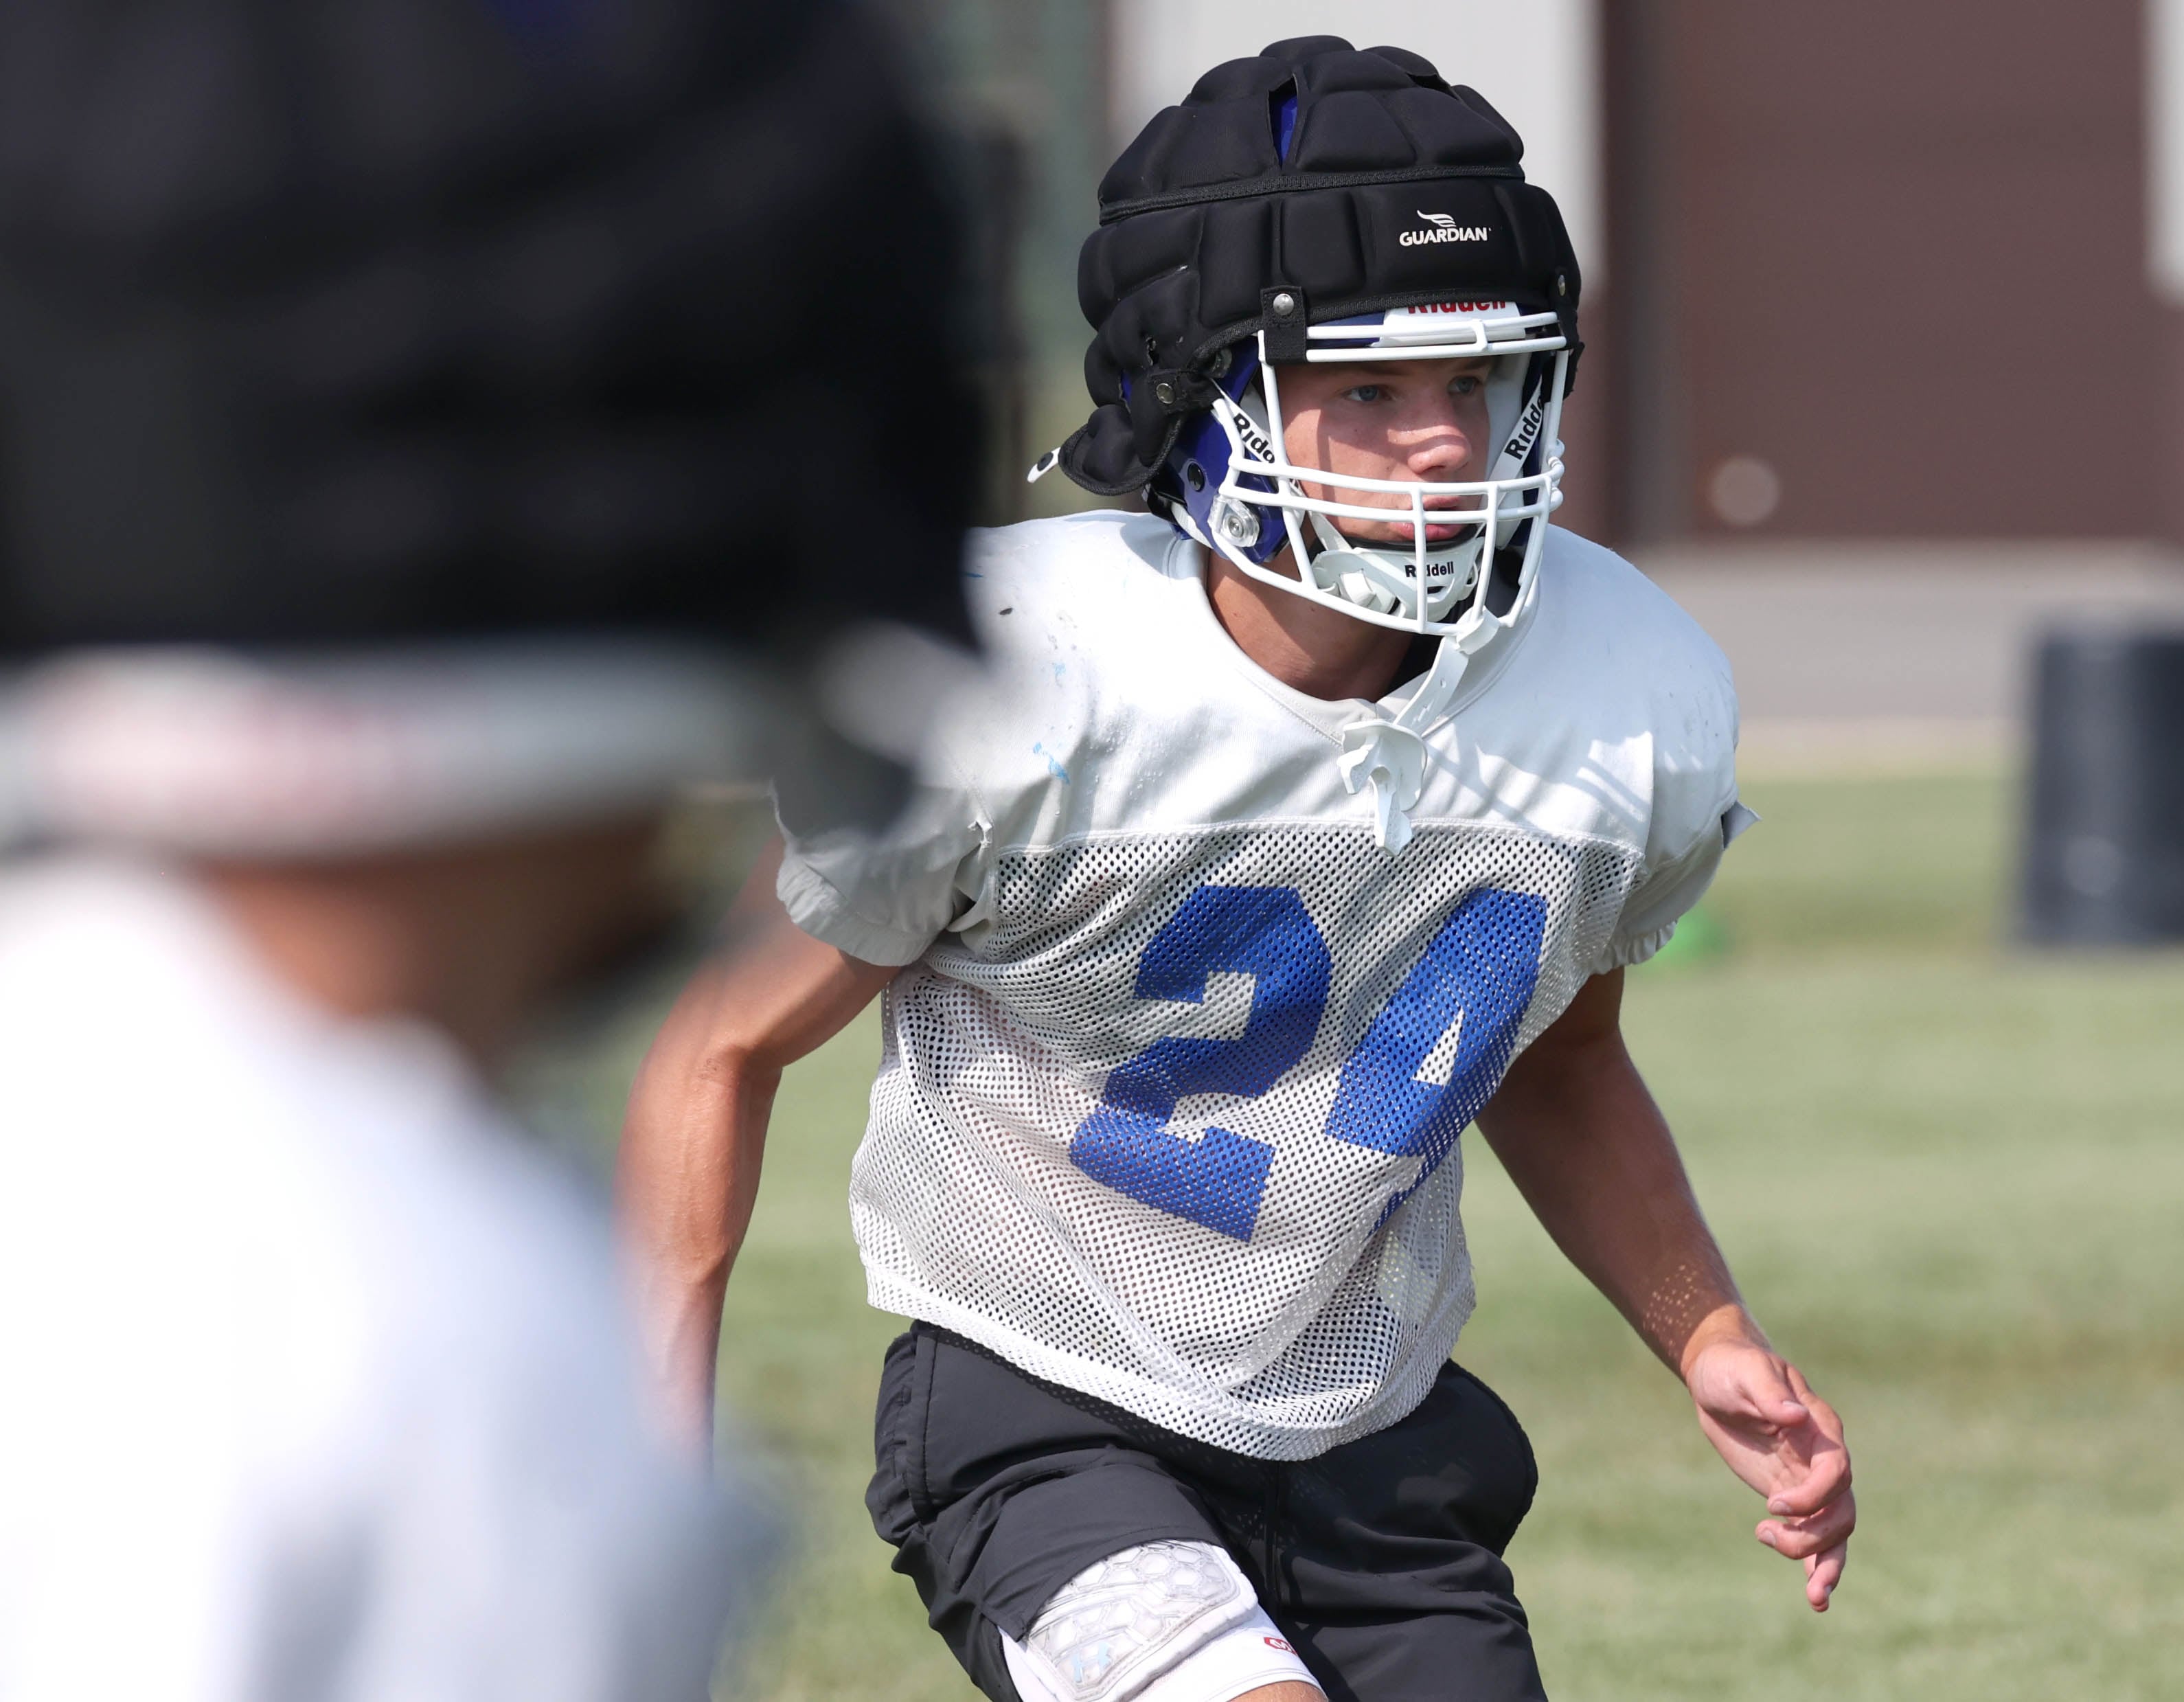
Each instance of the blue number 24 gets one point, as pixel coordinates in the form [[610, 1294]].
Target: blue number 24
[[1427, 1063]]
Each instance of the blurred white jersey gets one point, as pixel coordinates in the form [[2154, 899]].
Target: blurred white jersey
[[1170, 1099], [316, 1382]]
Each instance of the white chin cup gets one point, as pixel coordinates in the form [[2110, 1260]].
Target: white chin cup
[[1368, 575], [1119, 1624]]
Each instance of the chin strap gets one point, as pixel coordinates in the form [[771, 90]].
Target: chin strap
[[1388, 753]]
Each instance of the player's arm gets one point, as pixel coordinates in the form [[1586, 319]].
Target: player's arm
[[1579, 1135], [696, 1130]]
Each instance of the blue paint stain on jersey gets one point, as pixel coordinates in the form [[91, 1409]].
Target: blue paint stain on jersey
[[1053, 767], [1218, 1180]]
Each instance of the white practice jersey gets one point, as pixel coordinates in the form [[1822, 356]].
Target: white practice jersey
[[1169, 1102], [317, 1381]]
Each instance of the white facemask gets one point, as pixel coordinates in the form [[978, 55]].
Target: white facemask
[[1424, 588]]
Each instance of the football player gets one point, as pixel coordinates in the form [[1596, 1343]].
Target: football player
[[371, 376], [1305, 818]]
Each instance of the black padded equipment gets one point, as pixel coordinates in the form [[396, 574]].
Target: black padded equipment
[[1204, 226], [2104, 840], [345, 321]]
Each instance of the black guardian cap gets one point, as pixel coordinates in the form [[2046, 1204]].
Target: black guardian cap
[[1331, 180]]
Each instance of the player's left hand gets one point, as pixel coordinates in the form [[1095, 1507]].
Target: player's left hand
[[1786, 1442]]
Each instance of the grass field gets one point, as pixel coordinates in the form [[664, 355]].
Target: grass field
[[1951, 1177]]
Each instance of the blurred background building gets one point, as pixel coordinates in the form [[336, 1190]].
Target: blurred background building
[[1885, 300], [1855, 239]]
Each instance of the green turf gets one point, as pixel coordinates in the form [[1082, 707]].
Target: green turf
[[1951, 1177]]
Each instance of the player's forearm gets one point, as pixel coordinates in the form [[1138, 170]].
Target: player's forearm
[[686, 1183], [696, 1127], [1590, 1150]]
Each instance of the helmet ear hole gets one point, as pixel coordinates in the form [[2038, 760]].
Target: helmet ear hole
[[1282, 117], [1195, 475]]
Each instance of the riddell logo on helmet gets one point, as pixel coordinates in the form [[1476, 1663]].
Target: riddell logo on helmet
[[1527, 432], [1445, 229], [1256, 443]]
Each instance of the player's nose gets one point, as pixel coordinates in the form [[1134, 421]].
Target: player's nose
[[1442, 452]]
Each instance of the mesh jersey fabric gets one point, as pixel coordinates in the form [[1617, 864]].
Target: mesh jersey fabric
[[1170, 1096]]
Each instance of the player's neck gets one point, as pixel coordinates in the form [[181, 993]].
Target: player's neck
[[1309, 647]]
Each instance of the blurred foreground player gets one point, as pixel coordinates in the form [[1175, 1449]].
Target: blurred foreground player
[[1311, 816], [378, 418]]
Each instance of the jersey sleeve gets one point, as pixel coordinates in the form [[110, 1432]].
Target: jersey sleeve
[[1664, 896], [884, 896], [1696, 813]]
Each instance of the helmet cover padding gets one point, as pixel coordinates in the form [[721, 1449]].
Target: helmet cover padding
[[1397, 191]]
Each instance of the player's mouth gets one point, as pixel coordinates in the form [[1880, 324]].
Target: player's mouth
[[1401, 533], [1397, 529], [1437, 532]]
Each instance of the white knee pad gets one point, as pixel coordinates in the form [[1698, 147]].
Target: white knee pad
[[1162, 1622]]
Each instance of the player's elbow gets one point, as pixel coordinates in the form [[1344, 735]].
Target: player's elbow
[[720, 1064], [688, 1100], [734, 1065]]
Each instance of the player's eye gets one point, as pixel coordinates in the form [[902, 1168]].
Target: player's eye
[[1469, 385], [1365, 393]]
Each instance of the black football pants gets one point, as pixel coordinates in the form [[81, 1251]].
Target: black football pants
[[1380, 1561]]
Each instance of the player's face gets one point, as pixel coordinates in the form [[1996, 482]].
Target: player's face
[[1411, 421]]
